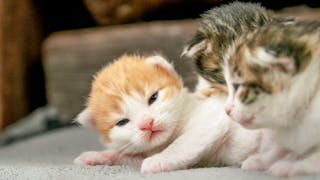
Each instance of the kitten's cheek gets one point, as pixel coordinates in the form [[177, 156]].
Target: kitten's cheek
[[242, 118], [247, 121], [234, 115]]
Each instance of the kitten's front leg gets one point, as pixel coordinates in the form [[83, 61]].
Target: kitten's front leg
[[93, 158], [187, 150], [295, 166], [175, 157], [263, 160], [108, 157]]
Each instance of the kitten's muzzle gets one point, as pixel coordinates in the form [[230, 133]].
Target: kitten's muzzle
[[146, 125], [149, 128], [228, 110]]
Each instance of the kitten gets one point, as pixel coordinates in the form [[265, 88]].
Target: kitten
[[146, 117], [273, 82], [219, 28]]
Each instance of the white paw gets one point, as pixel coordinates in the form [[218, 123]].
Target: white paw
[[94, 158], [253, 163], [156, 164], [286, 169]]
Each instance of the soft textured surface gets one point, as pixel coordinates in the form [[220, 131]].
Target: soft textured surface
[[50, 156]]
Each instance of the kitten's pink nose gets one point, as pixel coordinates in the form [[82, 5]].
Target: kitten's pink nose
[[228, 110], [146, 125]]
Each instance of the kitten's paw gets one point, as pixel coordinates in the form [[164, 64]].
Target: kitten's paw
[[94, 158], [156, 164], [286, 169], [254, 163], [280, 169]]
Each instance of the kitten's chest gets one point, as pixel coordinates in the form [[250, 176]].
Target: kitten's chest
[[303, 137]]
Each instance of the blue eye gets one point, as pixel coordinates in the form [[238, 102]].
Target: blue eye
[[153, 98], [122, 122]]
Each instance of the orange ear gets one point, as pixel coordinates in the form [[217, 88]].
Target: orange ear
[[85, 118]]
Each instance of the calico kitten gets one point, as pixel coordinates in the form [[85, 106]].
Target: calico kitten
[[219, 27], [145, 116], [273, 78]]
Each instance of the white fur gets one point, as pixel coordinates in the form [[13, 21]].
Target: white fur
[[161, 61], [188, 149], [264, 58], [261, 57], [229, 102], [190, 52], [84, 118], [108, 157], [202, 84]]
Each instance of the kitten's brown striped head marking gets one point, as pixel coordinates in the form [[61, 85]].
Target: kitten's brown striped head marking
[[261, 67], [134, 103]]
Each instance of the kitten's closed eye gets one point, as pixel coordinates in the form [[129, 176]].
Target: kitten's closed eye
[[153, 98], [122, 122]]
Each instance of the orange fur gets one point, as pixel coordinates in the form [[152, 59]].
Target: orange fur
[[126, 75], [217, 91]]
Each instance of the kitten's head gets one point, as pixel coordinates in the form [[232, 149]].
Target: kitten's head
[[261, 72], [219, 27], [135, 103]]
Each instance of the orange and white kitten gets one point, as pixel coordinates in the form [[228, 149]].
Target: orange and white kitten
[[273, 78], [146, 117]]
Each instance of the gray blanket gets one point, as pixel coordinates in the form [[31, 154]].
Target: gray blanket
[[50, 156]]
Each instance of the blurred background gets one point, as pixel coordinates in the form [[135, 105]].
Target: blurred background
[[49, 50]]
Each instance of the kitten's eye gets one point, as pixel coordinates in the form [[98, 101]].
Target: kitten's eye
[[153, 98], [236, 86], [122, 122], [272, 52]]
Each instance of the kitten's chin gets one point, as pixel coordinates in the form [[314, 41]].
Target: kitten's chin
[[149, 137], [254, 122], [250, 119], [157, 139]]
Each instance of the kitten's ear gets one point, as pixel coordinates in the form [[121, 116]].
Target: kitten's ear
[[160, 61], [269, 57], [85, 118], [194, 47]]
